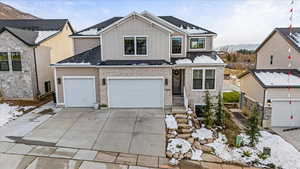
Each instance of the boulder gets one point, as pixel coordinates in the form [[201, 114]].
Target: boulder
[[169, 154], [188, 155], [191, 140], [176, 155], [170, 136], [197, 145], [182, 121], [211, 158], [184, 136], [206, 149]]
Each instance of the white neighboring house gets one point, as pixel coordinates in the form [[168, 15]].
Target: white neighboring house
[[140, 60], [267, 85]]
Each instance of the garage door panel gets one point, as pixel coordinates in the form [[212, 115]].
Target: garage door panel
[[282, 111], [79, 92], [135, 93]]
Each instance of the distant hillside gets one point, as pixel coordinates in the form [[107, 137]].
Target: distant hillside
[[233, 48], [8, 12]]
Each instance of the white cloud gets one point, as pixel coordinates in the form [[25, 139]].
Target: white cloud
[[252, 20]]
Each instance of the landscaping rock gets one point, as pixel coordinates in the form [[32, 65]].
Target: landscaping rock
[[197, 145], [176, 155], [181, 116], [191, 140], [210, 158], [181, 120], [170, 136], [186, 131], [188, 155], [183, 126], [206, 149], [209, 140], [181, 156], [184, 136], [169, 154], [203, 142]]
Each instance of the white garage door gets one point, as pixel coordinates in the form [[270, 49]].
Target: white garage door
[[79, 91], [282, 111], [135, 93]]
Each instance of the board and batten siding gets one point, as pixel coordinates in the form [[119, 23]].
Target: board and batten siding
[[76, 71], [278, 47], [157, 40], [252, 88], [84, 44]]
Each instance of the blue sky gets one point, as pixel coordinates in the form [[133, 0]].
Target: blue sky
[[235, 21]]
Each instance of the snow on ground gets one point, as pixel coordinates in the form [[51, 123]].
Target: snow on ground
[[196, 154], [171, 122], [283, 154], [202, 134], [178, 145], [8, 112], [278, 79]]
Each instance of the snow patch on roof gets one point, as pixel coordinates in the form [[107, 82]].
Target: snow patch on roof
[[278, 79], [93, 31], [42, 35], [203, 59], [70, 63], [193, 30], [296, 38]]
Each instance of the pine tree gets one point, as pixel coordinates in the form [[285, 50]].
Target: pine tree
[[220, 114], [208, 110], [252, 127]]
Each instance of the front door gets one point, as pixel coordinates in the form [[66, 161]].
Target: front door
[[176, 82]]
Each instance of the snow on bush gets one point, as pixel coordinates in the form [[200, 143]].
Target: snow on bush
[[171, 122], [178, 145], [283, 154], [8, 113], [202, 134]]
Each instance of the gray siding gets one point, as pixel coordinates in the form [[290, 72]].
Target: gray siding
[[84, 44], [157, 39], [17, 84]]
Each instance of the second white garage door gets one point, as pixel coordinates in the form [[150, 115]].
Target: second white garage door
[[282, 111], [142, 92]]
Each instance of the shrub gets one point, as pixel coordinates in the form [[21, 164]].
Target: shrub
[[231, 97], [252, 129], [208, 110], [220, 115], [103, 105], [247, 153]]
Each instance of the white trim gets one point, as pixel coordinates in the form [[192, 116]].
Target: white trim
[[181, 52], [134, 14], [135, 77], [135, 44], [203, 81], [79, 77], [170, 47], [185, 44], [201, 49], [101, 46]]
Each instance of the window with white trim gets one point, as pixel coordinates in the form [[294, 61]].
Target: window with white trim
[[135, 45], [197, 43], [4, 64], [176, 45], [204, 79]]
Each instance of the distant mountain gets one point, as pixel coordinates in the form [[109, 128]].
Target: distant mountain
[[233, 48], [8, 12]]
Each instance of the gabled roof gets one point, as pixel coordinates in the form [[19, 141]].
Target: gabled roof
[[92, 57], [275, 78], [33, 31], [180, 24], [293, 40]]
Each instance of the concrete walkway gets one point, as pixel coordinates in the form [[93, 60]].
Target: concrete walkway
[[292, 136], [135, 131]]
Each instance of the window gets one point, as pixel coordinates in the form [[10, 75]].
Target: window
[[176, 45], [204, 79], [16, 61], [271, 60], [4, 65], [135, 45], [197, 79], [199, 109], [197, 43], [209, 79], [47, 86]]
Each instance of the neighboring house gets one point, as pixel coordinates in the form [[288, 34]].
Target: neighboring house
[[140, 60], [267, 85], [27, 48]]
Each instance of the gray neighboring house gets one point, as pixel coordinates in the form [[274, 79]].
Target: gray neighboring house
[[140, 60], [266, 87], [27, 48]]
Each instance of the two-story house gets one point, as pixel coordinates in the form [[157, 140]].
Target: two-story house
[[27, 48], [267, 86], [140, 60]]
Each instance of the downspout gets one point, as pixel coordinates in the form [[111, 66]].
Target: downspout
[[264, 102], [36, 74]]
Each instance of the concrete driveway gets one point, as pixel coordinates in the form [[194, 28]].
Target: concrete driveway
[[292, 136], [136, 131]]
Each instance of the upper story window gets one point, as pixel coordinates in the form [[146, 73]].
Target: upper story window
[[4, 65], [176, 45], [204, 79], [135, 45], [271, 60], [16, 61], [197, 43]]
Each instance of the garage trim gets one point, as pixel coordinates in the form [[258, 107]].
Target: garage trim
[[78, 77], [136, 77]]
